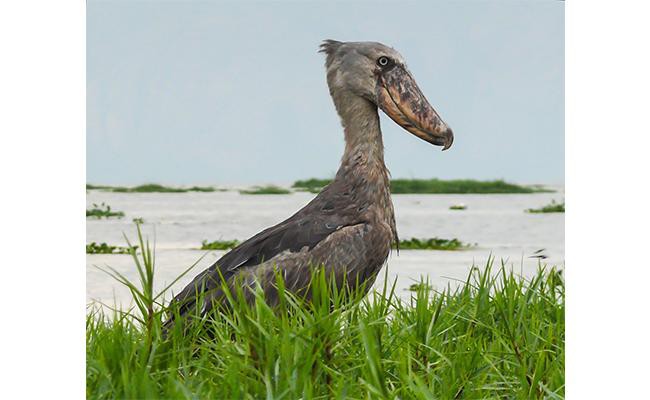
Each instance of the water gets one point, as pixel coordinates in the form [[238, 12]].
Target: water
[[180, 221]]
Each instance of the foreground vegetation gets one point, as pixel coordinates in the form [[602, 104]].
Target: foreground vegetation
[[149, 188], [549, 208], [103, 211], [435, 186], [497, 336]]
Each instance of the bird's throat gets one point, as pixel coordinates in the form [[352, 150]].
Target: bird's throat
[[363, 159]]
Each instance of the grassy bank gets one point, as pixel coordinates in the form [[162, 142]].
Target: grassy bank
[[497, 336], [435, 186], [150, 188]]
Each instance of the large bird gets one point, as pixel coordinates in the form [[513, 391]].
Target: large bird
[[350, 225]]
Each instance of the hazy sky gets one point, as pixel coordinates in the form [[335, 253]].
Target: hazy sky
[[224, 92]]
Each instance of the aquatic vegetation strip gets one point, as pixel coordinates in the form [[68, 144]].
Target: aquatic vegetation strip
[[409, 244], [103, 211], [497, 336], [271, 189], [150, 188], [549, 208], [436, 186]]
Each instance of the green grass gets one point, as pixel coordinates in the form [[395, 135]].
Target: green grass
[[103, 248], [219, 244], [435, 186], [549, 208], [103, 211], [266, 190], [150, 188], [496, 336], [432, 244]]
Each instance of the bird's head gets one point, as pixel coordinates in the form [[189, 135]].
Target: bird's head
[[378, 73]]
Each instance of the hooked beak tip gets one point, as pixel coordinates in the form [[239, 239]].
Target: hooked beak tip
[[449, 139]]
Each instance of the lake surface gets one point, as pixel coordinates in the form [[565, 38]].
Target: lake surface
[[180, 221]]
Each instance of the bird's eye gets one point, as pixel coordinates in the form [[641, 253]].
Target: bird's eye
[[383, 61]]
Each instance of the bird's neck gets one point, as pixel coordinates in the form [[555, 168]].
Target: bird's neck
[[362, 166], [364, 147]]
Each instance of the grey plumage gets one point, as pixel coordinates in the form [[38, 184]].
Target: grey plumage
[[350, 225]]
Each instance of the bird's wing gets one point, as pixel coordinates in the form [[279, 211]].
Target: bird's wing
[[324, 215]]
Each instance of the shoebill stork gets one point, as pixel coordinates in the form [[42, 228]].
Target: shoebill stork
[[350, 225]]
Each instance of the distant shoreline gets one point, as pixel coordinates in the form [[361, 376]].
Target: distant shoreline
[[314, 185]]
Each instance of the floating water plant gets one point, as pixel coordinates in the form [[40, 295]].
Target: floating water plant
[[266, 190], [219, 244], [549, 208], [103, 248], [103, 211], [432, 244]]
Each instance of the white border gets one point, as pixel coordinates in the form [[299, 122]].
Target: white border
[[607, 152], [42, 98], [42, 126]]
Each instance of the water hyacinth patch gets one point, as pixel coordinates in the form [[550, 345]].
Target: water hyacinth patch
[[432, 244], [219, 244], [549, 208], [103, 211], [103, 248]]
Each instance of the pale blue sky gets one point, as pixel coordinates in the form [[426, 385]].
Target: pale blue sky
[[226, 93]]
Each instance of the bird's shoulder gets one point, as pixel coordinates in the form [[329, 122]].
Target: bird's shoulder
[[328, 212]]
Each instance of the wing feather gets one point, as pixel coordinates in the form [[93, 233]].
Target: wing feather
[[329, 211]]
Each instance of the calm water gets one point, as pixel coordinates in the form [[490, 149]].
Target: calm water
[[180, 221]]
